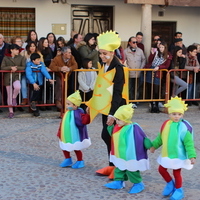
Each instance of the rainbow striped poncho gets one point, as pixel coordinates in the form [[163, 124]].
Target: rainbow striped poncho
[[129, 148], [177, 143], [73, 134]]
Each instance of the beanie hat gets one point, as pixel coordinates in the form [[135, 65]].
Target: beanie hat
[[125, 113], [176, 105], [75, 98]]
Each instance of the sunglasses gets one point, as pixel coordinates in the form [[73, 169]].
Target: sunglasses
[[134, 42]]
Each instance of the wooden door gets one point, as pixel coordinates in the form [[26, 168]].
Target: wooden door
[[92, 19], [165, 30]]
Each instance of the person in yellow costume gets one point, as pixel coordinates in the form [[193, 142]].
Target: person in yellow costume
[[110, 89]]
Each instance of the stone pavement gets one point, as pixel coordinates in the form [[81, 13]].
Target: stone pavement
[[30, 158]]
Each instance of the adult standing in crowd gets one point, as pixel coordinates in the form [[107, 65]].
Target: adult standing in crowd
[[3, 48], [75, 42], [60, 42], [64, 63], [43, 47], [139, 38], [52, 43], [178, 62], [105, 100], [160, 59], [192, 64], [88, 50], [135, 59], [32, 37]]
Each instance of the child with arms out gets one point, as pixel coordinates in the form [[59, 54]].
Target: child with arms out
[[178, 151], [72, 132], [129, 146]]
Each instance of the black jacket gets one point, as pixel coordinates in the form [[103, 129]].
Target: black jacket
[[118, 81]]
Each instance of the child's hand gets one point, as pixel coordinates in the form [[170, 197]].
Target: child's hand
[[152, 149], [51, 81], [14, 69], [193, 160], [88, 110], [36, 86]]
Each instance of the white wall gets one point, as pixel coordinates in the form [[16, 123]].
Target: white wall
[[127, 17], [187, 18]]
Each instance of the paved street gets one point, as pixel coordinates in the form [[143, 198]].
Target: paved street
[[30, 158]]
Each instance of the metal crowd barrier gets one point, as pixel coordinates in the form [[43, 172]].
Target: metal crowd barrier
[[139, 94], [51, 101]]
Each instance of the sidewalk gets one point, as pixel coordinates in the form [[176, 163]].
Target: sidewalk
[[30, 158]]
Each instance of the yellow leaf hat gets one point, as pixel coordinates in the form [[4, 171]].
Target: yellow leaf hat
[[109, 41], [75, 98], [176, 105], [125, 113]]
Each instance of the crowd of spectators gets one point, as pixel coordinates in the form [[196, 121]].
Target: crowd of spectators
[[61, 56]]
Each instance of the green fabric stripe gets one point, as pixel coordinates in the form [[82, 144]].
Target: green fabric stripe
[[122, 143], [172, 140], [67, 135]]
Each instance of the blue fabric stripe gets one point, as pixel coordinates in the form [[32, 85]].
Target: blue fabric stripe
[[74, 130], [130, 152]]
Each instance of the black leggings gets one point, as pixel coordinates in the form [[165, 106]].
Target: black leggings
[[106, 137]]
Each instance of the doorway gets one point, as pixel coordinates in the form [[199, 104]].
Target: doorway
[[92, 19], [165, 30]]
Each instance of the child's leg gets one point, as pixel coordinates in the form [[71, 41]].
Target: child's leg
[[169, 188], [67, 161], [79, 155], [80, 162], [9, 97], [17, 87], [178, 178], [119, 178], [164, 173], [135, 178], [66, 154], [178, 192]]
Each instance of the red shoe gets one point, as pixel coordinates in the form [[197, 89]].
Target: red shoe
[[106, 171]]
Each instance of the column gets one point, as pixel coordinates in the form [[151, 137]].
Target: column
[[146, 27]]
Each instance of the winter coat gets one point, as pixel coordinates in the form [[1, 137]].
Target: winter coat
[[134, 60], [33, 75], [9, 62], [82, 80]]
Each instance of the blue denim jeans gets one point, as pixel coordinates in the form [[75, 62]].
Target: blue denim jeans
[[190, 90], [24, 86]]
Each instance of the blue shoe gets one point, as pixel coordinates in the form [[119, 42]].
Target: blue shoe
[[115, 185], [178, 194], [169, 188], [78, 164], [66, 162], [137, 187]]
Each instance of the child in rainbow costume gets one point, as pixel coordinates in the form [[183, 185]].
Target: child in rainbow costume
[[129, 146], [178, 151], [72, 133]]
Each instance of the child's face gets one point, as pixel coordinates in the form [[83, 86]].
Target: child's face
[[36, 61], [120, 123], [70, 105], [175, 116], [90, 65]]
